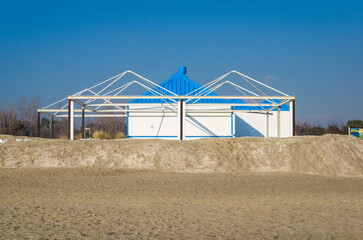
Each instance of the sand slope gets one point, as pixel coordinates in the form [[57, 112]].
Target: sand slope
[[328, 155]]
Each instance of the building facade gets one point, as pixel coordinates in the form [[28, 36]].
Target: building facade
[[201, 118]]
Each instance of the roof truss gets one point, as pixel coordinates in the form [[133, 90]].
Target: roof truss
[[105, 98]]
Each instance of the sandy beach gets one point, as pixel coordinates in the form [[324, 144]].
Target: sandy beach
[[242, 188], [92, 203]]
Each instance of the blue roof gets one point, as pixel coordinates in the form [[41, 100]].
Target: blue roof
[[180, 84]]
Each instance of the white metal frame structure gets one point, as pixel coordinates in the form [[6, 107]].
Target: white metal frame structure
[[106, 99]]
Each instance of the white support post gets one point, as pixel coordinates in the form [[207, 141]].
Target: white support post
[[279, 122], [267, 125], [234, 125], [291, 118], [181, 115], [179, 122], [71, 120], [183, 119]]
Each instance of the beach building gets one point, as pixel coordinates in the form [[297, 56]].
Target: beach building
[[180, 108], [204, 117]]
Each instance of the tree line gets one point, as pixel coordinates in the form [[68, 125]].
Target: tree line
[[21, 120], [308, 129]]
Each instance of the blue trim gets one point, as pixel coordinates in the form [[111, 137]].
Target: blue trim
[[177, 136], [152, 136], [209, 136]]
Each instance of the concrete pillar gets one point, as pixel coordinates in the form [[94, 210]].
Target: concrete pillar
[[279, 122], [293, 118], [83, 122], [52, 127], [70, 119], [38, 125], [267, 125], [181, 114]]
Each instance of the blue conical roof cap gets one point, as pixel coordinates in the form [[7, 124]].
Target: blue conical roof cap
[[180, 84]]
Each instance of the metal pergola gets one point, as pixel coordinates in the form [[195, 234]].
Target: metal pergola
[[107, 99]]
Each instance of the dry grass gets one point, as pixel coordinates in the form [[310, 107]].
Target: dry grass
[[120, 135], [78, 136], [101, 135]]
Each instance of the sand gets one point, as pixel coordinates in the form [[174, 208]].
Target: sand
[[243, 188], [117, 204], [328, 155]]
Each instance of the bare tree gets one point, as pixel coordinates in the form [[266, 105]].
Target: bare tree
[[334, 128], [111, 125], [302, 128], [20, 119], [8, 120], [61, 128], [32, 115], [23, 104]]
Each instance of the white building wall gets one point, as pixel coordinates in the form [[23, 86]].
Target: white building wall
[[196, 125], [211, 124], [254, 124], [249, 124], [153, 125], [220, 125]]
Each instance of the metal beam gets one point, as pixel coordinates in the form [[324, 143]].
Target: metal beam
[[146, 116], [181, 119], [83, 104], [278, 121], [52, 127], [69, 119], [194, 104], [277, 105], [267, 126], [180, 97], [60, 110], [293, 118], [72, 121], [38, 125], [83, 122]]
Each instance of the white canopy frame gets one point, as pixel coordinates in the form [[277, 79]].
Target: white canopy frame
[[173, 105]]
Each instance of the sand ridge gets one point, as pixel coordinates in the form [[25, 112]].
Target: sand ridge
[[327, 155]]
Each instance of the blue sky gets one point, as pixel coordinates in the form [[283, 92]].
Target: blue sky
[[310, 49]]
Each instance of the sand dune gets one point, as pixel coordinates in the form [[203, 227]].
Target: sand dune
[[242, 188], [328, 155]]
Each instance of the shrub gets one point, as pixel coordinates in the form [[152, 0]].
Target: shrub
[[101, 135], [317, 130], [78, 136], [333, 128], [120, 135]]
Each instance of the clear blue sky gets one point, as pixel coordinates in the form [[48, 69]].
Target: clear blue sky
[[310, 49]]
